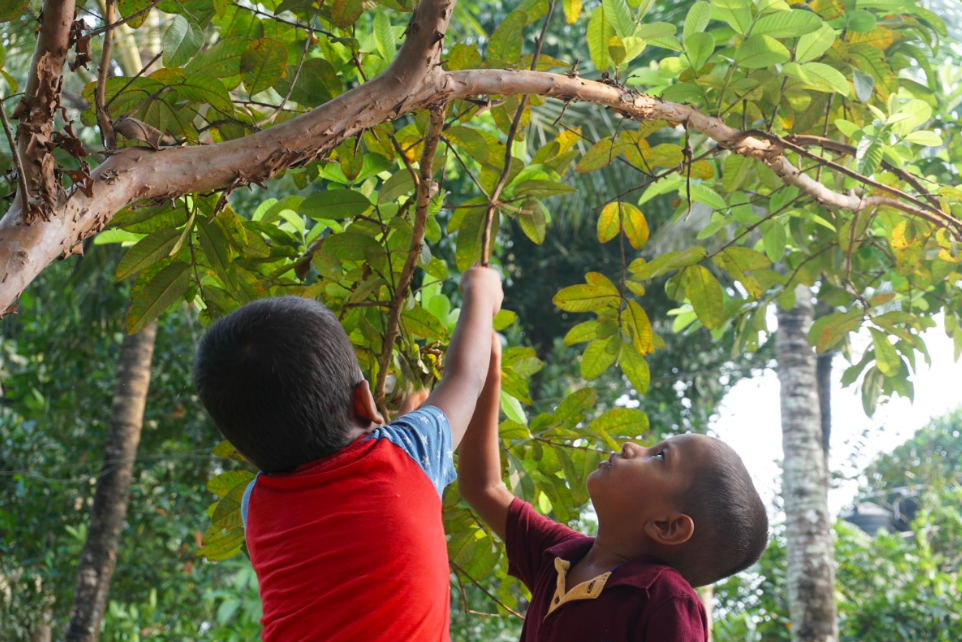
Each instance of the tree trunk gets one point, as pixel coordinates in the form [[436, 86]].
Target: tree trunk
[[113, 486], [811, 573], [823, 372]]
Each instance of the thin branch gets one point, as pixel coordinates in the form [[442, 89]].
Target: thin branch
[[131, 81], [110, 26], [103, 120], [486, 591], [297, 25], [512, 132], [297, 70], [21, 177], [432, 136]]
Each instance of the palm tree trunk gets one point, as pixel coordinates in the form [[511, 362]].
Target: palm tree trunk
[[811, 574], [113, 486]]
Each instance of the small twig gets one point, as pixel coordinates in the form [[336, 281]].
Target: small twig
[[432, 136], [131, 81], [110, 26], [297, 70], [21, 176], [493, 598], [273, 17], [103, 120], [512, 132]]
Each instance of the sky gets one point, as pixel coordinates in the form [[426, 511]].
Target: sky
[[749, 420]]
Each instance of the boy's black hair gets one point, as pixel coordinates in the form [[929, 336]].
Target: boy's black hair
[[277, 376], [731, 526]]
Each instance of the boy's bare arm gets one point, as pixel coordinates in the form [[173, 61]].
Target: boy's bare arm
[[479, 461], [457, 393]]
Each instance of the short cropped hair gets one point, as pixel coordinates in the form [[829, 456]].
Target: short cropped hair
[[731, 526], [277, 377]]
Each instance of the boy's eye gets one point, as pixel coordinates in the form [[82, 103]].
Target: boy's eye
[[661, 455]]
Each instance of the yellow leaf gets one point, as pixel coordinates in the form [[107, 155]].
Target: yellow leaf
[[879, 37], [635, 321], [572, 10], [568, 139], [635, 225], [702, 169], [828, 9], [902, 236], [608, 222]]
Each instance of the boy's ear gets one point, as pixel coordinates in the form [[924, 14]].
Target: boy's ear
[[671, 530], [365, 410]]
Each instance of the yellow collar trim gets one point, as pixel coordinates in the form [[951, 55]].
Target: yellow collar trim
[[588, 590]]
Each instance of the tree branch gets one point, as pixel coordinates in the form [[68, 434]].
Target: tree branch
[[425, 183], [110, 26], [103, 120], [37, 108], [414, 80]]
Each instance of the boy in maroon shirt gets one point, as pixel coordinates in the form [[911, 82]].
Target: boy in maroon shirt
[[679, 514]]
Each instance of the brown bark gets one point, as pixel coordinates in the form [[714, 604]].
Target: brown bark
[[113, 486], [811, 574], [413, 81]]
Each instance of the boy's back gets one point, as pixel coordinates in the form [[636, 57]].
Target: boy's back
[[365, 521]]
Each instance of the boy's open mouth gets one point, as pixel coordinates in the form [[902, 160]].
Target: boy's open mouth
[[608, 463]]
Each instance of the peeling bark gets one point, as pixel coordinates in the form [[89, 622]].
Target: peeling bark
[[113, 486], [413, 81], [811, 573]]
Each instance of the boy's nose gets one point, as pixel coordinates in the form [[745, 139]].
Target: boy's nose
[[629, 450]]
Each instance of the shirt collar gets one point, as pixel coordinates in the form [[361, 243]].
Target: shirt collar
[[641, 572]]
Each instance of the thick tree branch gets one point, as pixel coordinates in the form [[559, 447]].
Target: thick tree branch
[[413, 81], [426, 170], [37, 108]]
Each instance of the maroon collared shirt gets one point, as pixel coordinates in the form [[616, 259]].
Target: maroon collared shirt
[[643, 600]]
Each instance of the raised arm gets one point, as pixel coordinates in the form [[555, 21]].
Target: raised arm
[[464, 368], [479, 461]]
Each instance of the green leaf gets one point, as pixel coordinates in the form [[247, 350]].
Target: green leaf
[[399, 184], [814, 44], [826, 76], [12, 9], [505, 43], [542, 188], [699, 47], [659, 34], [422, 323], [924, 137], [761, 51], [350, 246], [787, 24], [609, 222], [635, 368], [148, 251], [152, 298], [464, 56], [216, 248], [384, 36], [531, 218], [829, 330], [599, 33], [226, 481], [645, 270], [468, 140], [335, 204], [737, 13], [701, 193], [864, 84], [599, 292], [886, 358], [629, 423], [206, 90], [697, 19], [572, 408], [220, 61], [868, 154], [223, 546], [128, 8], [512, 408], [705, 294], [181, 41], [871, 389], [596, 359], [582, 333], [346, 12], [775, 239], [618, 15], [262, 64]]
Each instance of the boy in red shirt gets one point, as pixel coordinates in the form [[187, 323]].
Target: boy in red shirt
[[679, 514], [343, 524]]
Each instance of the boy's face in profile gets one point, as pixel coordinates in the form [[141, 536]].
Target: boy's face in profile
[[644, 482]]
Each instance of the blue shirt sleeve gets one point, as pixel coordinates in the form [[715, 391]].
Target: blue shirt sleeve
[[245, 500], [425, 435]]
